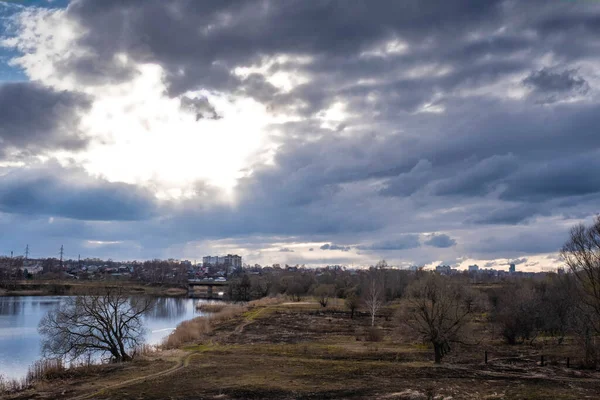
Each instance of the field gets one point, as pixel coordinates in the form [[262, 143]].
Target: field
[[302, 351]]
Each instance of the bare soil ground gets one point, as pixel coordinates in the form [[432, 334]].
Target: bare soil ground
[[301, 351]]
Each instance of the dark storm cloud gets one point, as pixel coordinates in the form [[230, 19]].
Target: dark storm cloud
[[518, 261], [402, 243], [476, 179], [530, 242], [563, 177], [34, 118], [52, 190], [552, 85], [409, 182], [331, 246], [508, 215], [483, 158], [440, 240], [199, 42]]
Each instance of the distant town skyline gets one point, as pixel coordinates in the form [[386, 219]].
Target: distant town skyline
[[318, 133], [235, 261]]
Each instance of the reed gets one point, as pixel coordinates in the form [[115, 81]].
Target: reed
[[46, 369], [194, 329], [211, 307]]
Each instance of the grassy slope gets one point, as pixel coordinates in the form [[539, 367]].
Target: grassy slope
[[301, 351]]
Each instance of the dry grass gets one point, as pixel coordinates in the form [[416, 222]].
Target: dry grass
[[143, 351], [12, 385], [195, 329], [281, 351], [267, 301], [211, 307], [46, 369], [41, 370]]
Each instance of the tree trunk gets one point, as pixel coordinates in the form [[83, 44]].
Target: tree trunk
[[438, 354]]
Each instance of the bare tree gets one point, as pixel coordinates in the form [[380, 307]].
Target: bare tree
[[109, 323], [437, 312], [581, 253], [519, 314], [352, 303], [374, 296], [324, 292]]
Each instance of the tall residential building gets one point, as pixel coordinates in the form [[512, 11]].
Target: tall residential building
[[473, 268], [210, 261], [512, 268], [232, 261]]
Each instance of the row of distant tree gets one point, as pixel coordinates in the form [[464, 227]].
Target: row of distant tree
[[439, 308], [151, 271]]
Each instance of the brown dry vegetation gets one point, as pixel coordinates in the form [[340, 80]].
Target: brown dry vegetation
[[211, 307], [303, 351], [77, 381], [195, 329]]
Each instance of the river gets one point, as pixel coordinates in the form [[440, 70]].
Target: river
[[20, 343]]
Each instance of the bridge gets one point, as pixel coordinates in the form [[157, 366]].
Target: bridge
[[203, 288]]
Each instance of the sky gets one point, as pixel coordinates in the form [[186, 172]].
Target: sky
[[300, 132]]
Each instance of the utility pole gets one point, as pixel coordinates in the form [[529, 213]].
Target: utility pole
[[26, 252], [62, 250], [79, 260]]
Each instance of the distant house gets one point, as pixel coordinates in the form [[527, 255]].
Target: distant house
[[34, 269]]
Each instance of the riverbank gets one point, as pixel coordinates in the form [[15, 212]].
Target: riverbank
[[63, 288], [303, 351]]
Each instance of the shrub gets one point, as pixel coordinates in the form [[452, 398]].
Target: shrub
[[374, 334]]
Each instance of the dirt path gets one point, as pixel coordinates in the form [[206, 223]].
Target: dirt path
[[181, 363], [246, 321]]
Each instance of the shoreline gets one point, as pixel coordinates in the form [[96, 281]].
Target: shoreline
[[62, 288]]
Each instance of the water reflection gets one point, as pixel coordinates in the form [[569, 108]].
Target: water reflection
[[171, 308], [20, 316], [8, 306]]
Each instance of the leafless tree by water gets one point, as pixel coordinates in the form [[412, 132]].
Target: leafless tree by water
[[107, 323]]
